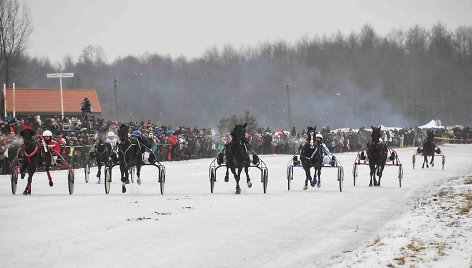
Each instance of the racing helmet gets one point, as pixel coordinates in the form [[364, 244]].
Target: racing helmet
[[318, 135], [47, 133], [136, 133], [111, 134]]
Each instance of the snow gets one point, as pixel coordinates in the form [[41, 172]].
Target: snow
[[190, 227]]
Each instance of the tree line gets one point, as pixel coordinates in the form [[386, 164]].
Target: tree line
[[403, 78]]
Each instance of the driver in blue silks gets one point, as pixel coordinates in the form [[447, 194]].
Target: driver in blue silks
[[328, 158]]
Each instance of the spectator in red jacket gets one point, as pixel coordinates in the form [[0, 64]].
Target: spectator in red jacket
[[173, 141]]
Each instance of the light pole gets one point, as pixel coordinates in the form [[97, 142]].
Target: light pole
[[288, 108], [5, 99], [115, 85], [60, 76]]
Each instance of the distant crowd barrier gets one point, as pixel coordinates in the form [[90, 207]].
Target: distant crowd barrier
[[455, 140]]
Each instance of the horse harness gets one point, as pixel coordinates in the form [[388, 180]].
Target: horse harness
[[138, 143], [318, 149], [105, 150], [30, 155]]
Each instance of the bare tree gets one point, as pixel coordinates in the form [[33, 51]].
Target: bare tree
[[15, 29]]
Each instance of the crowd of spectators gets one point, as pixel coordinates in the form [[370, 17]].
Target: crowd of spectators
[[181, 143]]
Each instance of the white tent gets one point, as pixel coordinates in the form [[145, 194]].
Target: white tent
[[432, 124]]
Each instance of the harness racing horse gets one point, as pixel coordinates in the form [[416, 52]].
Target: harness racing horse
[[237, 157], [429, 149], [377, 152], [129, 155], [31, 154], [102, 155], [311, 155]]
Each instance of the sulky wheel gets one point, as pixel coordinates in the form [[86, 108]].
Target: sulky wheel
[[107, 179], [289, 176], [212, 179], [340, 178], [265, 177], [70, 181], [14, 179], [400, 175], [443, 161], [162, 179], [87, 171], [354, 173]]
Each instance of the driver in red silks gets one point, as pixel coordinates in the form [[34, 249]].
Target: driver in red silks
[[54, 148], [53, 145]]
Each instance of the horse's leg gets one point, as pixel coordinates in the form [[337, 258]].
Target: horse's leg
[[31, 171], [124, 174], [227, 174], [307, 167], [379, 173], [27, 190], [99, 166], [249, 183], [372, 174], [138, 173], [319, 176], [23, 171], [237, 176], [49, 174], [432, 160], [425, 160], [124, 177]]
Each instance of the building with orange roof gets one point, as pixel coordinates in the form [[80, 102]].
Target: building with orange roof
[[47, 101]]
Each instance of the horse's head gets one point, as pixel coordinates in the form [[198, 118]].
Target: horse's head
[[123, 132], [101, 145], [27, 134], [376, 134], [239, 132], [430, 135], [311, 132]]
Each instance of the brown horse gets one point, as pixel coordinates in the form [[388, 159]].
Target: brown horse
[[102, 155], [129, 155], [30, 155], [237, 156], [377, 152], [311, 155], [429, 148]]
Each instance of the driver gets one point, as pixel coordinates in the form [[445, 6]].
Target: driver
[[113, 141], [52, 146], [328, 158]]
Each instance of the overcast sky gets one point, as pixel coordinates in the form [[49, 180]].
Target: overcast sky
[[178, 27]]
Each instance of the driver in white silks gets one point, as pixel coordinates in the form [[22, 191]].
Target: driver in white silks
[[328, 158], [113, 141]]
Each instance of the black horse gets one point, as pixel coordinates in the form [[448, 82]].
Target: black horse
[[129, 155], [377, 152], [237, 156], [311, 155], [30, 155], [429, 149], [102, 155]]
